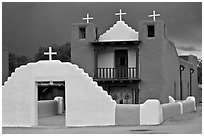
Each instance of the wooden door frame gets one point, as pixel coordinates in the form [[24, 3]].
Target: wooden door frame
[[117, 55], [36, 118]]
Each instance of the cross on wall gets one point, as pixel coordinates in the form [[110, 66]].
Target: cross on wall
[[87, 18], [120, 14], [50, 53], [154, 15]]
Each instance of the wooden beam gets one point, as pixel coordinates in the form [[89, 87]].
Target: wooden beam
[[137, 62], [95, 63]]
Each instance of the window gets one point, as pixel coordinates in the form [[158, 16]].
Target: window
[[96, 34], [82, 33], [150, 31]]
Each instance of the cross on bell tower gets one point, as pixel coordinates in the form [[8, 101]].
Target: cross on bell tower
[[154, 15], [50, 53], [120, 14], [87, 18]]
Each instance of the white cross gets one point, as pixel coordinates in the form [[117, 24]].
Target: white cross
[[50, 53], [120, 14], [154, 15], [87, 18]]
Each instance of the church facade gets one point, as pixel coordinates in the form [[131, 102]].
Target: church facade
[[133, 66]]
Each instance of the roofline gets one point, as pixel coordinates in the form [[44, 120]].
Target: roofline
[[113, 42]]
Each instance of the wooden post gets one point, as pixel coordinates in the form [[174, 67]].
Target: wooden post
[[95, 63], [182, 68], [191, 72], [137, 62]]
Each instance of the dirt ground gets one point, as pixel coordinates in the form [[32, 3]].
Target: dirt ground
[[190, 123]]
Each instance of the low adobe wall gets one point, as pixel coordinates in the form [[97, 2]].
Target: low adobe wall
[[175, 107], [47, 108], [188, 106], [148, 113], [151, 112], [170, 110], [127, 114]]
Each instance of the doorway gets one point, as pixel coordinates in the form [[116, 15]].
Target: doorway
[[47, 106], [121, 63]]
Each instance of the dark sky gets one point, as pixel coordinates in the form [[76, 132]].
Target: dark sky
[[26, 26]]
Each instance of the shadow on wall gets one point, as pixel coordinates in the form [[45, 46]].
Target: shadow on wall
[[47, 108]]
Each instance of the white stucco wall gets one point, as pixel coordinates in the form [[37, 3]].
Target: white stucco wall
[[151, 112], [86, 103], [119, 32], [131, 58], [106, 59]]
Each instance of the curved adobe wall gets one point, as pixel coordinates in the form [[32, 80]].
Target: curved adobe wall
[[170, 72], [86, 103], [170, 110]]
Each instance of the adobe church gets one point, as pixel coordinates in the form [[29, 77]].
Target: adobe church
[[133, 66]]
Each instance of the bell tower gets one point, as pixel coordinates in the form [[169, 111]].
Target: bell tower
[[82, 52], [152, 30], [152, 35]]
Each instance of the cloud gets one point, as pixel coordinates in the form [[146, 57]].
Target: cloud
[[196, 53], [187, 48]]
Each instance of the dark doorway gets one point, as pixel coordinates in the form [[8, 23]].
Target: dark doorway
[[121, 63]]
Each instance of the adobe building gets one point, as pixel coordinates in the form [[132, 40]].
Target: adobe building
[[189, 77], [133, 66], [130, 66]]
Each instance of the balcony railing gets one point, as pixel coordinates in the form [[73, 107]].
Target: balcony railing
[[117, 73]]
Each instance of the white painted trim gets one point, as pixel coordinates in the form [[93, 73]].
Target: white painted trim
[[192, 98], [151, 112], [171, 99], [36, 104], [181, 106]]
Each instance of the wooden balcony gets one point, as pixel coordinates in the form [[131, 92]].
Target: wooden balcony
[[121, 74]]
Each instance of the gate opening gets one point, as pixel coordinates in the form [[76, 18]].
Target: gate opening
[[47, 106]]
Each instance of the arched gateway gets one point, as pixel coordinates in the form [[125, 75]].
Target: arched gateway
[[86, 103]]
